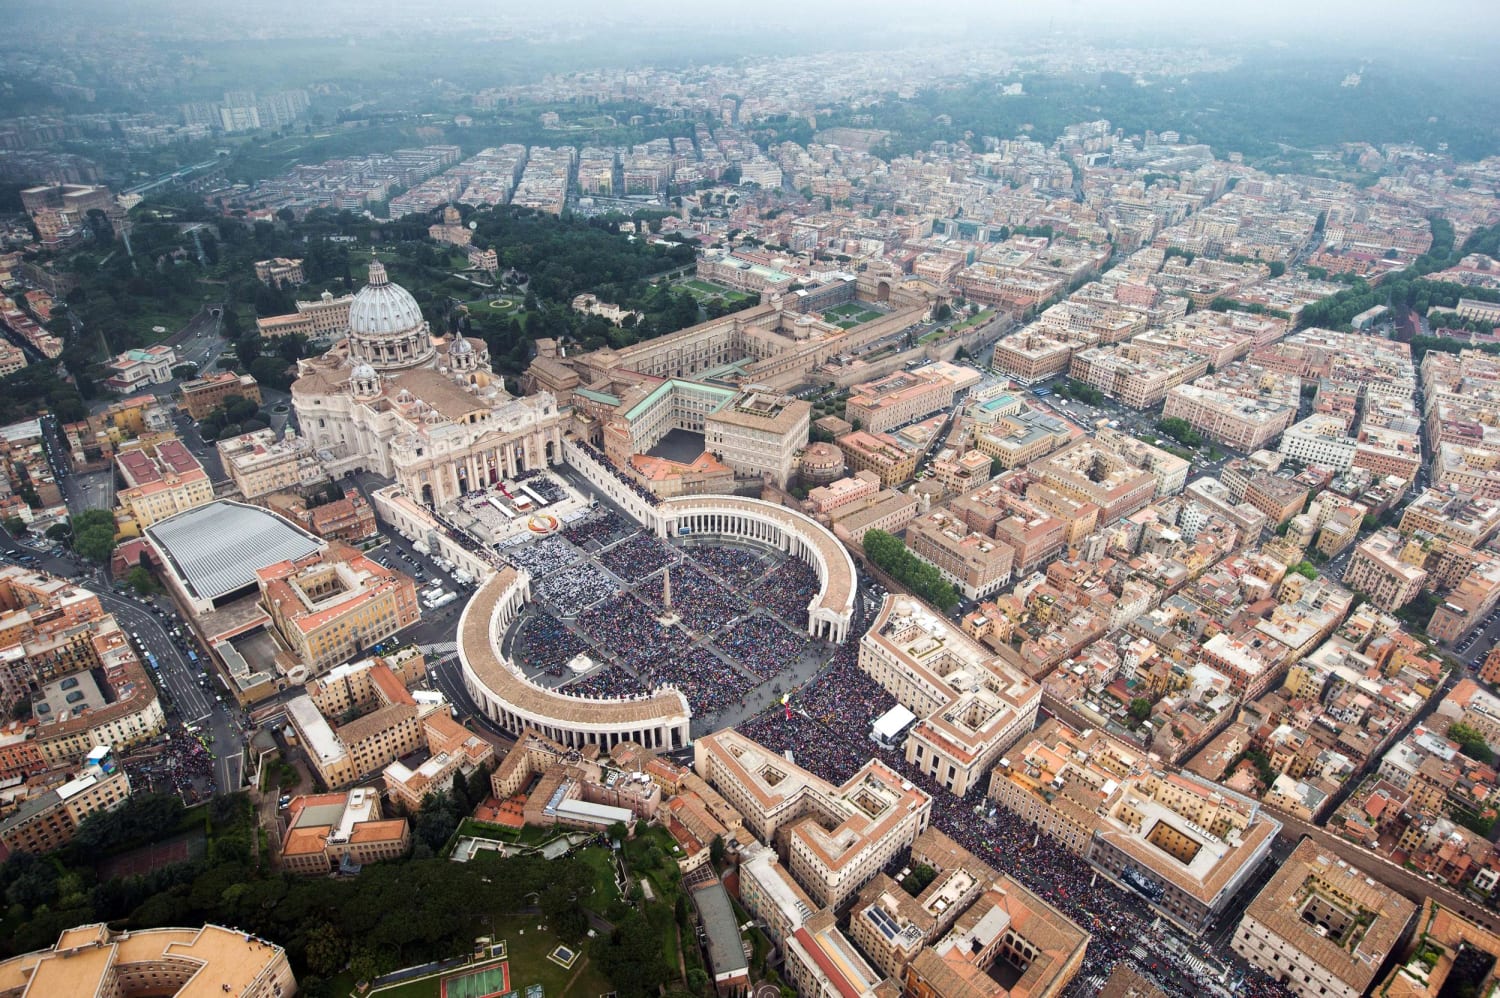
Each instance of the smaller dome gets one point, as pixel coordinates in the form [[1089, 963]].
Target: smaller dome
[[462, 346], [364, 372]]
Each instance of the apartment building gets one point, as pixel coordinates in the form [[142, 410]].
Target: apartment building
[[1035, 353], [160, 482], [365, 745], [1459, 514], [202, 396], [330, 606], [260, 463], [1009, 931], [880, 453], [1320, 439], [972, 704], [836, 837], [1246, 424], [821, 962], [758, 433], [1025, 436], [1138, 375], [1093, 472], [976, 565], [1321, 926], [339, 833], [1033, 534], [907, 396], [1185, 845], [1380, 569], [47, 821]]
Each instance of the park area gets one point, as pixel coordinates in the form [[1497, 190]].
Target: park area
[[850, 314]]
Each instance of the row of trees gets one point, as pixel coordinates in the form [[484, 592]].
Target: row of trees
[[924, 580]]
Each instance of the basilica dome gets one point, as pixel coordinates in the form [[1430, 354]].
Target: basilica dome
[[386, 328]]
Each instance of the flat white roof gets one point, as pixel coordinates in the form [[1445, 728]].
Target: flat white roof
[[891, 723], [314, 728], [599, 814]]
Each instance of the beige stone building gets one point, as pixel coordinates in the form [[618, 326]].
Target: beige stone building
[[1321, 926], [159, 484], [977, 565], [259, 463], [47, 821], [96, 960], [1380, 568], [202, 396], [972, 704], [880, 453], [327, 833], [1184, 844], [906, 396], [330, 606], [836, 837]]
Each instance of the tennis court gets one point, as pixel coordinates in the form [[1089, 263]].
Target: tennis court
[[491, 980]]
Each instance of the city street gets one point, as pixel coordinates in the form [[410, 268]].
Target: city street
[[184, 697]]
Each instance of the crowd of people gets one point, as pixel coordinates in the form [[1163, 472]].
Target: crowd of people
[[181, 765], [709, 682], [573, 588], [636, 557], [600, 528], [608, 681], [702, 603], [543, 484], [541, 557], [788, 590], [545, 644], [736, 566], [823, 727], [762, 645], [626, 629]]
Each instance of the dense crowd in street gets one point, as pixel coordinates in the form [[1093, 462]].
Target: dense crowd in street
[[610, 681], [181, 766], [637, 557], [824, 728]]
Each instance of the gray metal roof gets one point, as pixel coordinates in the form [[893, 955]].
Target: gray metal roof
[[726, 954], [217, 548]]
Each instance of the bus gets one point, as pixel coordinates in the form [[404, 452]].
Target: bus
[[151, 661], [193, 657]]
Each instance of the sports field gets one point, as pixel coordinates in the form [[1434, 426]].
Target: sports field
[[491, 980]]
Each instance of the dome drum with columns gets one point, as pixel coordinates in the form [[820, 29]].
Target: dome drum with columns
[[386, 328]]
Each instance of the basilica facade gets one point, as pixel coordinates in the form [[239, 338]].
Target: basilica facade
[[428, 411]]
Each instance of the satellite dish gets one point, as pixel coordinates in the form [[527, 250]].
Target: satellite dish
[[473, 225]]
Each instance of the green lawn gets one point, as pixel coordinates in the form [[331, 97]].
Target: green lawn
[[851, 314], [704, 290], [604, 878], [527, 951]]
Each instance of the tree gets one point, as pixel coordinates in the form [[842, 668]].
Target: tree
[[14, 525], [1140, 708], [716, 851], [94, 534], [1471, 742], [141, 580], [59, 532], [697, 980], [325, 950]]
